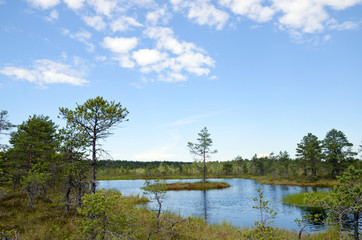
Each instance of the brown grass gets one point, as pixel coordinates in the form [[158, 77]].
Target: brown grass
[[196, 186]]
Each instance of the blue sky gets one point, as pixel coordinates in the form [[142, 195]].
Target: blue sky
[[259, 74]]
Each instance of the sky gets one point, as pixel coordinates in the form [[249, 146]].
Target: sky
[[259, 74]]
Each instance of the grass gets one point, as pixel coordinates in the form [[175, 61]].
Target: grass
[[49, 220], [298, 199], [196, 186], [324, 183]]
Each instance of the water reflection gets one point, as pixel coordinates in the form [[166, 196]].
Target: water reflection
[[204, 197], [233, 205]]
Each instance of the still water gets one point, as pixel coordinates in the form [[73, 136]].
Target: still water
[[233, 205]]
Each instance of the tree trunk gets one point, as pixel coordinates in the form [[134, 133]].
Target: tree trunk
[[340, 221], [79, 195], [93, 164], [30, 158], [314, 173], [67, 193], [204, 179], [355, 225]]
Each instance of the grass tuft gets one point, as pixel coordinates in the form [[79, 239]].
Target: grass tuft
[[178, 186]]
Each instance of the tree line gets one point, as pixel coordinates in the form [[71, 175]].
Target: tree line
[[315, 159]]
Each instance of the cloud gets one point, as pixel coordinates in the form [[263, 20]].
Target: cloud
[[54, 15], [124, 23], [96, 22], [177, 58], [2, 2], [104, 7], [160, 15], [45, 72], [44, 4], [309, 16], [81, 36], [120, 47], [145, 57], [252, 9], [74, 4], [348, 25], [202, 12]]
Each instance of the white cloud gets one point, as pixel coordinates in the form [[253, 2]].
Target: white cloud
[[160, 15], [202, 12], [124, 23], [166, 40], [2, 2], [81, 36], [44, 4], [182, 56], [145, 57], [54, 15], [105, 7], [307, 16], [311, 16], [45, 72], [296, 16], [74, 4], [348, 25], [253, 9], [120, 45], [96, 22]]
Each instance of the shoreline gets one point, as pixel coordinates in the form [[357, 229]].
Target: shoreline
[[324, 183]]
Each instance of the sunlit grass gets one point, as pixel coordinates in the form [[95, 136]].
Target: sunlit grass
[[298, 199]]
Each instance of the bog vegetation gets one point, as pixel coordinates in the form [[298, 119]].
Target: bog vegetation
[[48, 182]]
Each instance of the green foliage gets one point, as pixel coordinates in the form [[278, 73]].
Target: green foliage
[[157, 189], [309, 153], [302, 223], [343, 199], [202, 148], [35, 142], [7, 234], [95, 119], [3, 193], [263, 229], [338, 151], [34, 185], [4, 122], [106, 216]]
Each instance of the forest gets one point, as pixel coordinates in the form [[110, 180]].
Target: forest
[[48, 173]]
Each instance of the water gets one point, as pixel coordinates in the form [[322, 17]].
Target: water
[[233, 205]]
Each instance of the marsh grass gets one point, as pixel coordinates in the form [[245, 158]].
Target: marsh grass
[[178, 186], [298, 199]]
